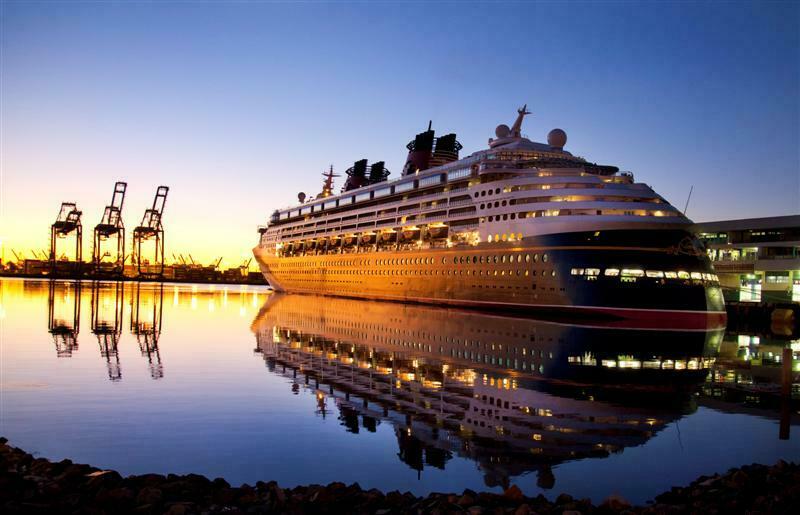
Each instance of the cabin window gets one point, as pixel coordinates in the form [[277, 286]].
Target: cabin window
[[428, 181], [405, 186]]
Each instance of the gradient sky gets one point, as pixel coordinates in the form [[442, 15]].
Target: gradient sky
[[239, 106]]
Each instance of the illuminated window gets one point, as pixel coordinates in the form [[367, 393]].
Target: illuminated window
[[612, 272], [671, 275], [697, 275], [683, 275], [654, 273], [592, 271], [632, 272], [544, 258], [576, 271]]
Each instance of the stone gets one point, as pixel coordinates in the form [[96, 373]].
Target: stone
[[513, 493], [563, 499], [149, 495], [615, 502], [523, 509]]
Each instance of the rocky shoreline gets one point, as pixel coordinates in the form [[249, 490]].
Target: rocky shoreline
[[36, 485]]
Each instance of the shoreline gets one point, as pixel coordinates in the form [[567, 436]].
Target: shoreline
[[37, 485]]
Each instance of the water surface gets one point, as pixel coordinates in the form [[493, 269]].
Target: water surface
[[248, 385]]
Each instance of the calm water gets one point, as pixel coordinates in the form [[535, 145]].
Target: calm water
[[248, 385]]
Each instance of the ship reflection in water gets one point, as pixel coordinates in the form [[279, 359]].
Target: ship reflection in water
[[391, 396], [513, 394]]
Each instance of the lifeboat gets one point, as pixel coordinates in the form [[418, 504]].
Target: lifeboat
[[368, 238], [409, 234], [334, 242], [438, 231], [311, 244], [387, 237], [349, 240]]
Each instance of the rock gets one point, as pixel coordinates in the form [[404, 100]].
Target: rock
[[513, 493], [739, 479], [563, 499], [466, 500], [615, 502], [522, 509], [149, 495], [102, 478]]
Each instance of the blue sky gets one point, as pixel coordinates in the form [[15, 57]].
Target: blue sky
[[238, 106]]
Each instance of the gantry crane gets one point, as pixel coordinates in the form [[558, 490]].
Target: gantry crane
[[111, 226], [67, 222], [151, 229], [107, 307]]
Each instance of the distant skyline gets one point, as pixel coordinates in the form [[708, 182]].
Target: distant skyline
[[239, 106]]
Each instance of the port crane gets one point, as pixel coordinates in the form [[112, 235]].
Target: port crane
[[67, 222], [151, 229], [111, 226]]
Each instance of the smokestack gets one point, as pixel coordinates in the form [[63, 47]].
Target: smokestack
[[357, 176], [378, 172], [446, 150], [419, 152]]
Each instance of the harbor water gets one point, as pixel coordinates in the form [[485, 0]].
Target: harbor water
[[242, 383]]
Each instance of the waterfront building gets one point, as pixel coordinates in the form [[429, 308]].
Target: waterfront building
[[756, 259]]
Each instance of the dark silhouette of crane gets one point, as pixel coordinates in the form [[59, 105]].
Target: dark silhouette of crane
[[67, 222], [146, 325], [107, 307], [111, 226], [64, 318], [151, 229]]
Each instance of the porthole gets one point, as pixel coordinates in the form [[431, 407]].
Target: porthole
[[502, 259], [474, 259], [544, 258], [497, 191], [553, 273], [497, 204], [503, 203], [535, 258], [483, 206]]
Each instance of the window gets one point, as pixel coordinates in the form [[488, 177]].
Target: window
[[382, 192], [612, 272], [405, 186], [429, 181], [632, 272], [363, 196], [458, 174]]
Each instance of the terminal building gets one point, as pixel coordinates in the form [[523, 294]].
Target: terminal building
[[756, 259]]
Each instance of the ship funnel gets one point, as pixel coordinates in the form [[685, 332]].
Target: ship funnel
[[356, 176], [446, 150], [378, 172], [419, 152]]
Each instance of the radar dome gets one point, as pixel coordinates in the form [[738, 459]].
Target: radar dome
[[502, 131], [557, 138]]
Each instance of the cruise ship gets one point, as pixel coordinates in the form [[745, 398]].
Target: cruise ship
[[518, 226]]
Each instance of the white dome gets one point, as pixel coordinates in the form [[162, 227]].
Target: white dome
[[502, 131], [557, 138]]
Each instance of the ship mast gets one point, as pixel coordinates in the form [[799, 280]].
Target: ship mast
[[327, 186], [516, 129]]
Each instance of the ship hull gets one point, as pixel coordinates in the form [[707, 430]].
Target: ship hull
[[535, 275]]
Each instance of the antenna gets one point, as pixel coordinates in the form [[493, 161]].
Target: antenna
[[687, 200]]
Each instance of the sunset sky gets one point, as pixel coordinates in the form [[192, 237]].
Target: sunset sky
[[239, 106]]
